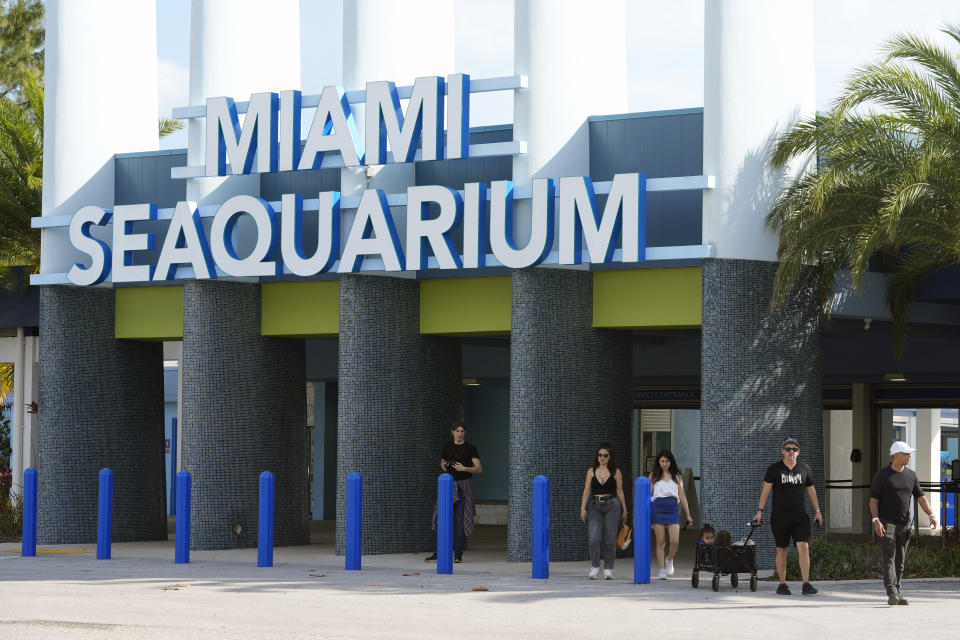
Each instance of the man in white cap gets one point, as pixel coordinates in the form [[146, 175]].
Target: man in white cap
[[890, 494]]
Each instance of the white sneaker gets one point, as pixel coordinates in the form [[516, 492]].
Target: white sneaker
[[607, 574], [594, 573], [669, 567], [663, 574]]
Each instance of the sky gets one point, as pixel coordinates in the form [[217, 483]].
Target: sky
[[664, 50]]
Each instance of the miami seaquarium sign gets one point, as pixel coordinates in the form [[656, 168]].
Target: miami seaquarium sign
[[269, 140]]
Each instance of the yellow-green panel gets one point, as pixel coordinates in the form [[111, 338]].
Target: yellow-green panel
[[465, 306], [149, 313], [648, 298], [301, 309]]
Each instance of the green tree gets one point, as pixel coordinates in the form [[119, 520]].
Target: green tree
[[886, 184], [21, 44], [4, 441], [168, 126], [21, 179], [6, 380]]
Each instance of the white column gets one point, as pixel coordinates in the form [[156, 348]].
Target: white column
[[397, 41], [237, 47], [758, 75], [31, 372], [101, 98], [575, 61], [574, 58], [838, 440], [16, 435], [927, 458]]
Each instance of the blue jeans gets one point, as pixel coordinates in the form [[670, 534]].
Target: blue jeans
[[603, 525]]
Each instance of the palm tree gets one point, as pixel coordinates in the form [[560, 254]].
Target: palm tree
[[886, 184], [6, 380], [21, 179]]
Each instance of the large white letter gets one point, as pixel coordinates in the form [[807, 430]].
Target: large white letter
[[458, 116], [98, 250], [268, 238], [186, 243], [433, 232], [541, 224], [580, 217], [125, 242], [385, 122], [475, 225], [295, 259], [333, 114], [258, 138], [289, 143], [373, 232]]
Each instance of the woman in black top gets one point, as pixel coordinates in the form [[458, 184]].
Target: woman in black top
[[604, 508]]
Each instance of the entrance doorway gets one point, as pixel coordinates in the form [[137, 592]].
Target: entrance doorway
[[676, 429]]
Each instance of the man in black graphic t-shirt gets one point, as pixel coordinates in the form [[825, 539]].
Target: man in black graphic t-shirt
[[790, 480], [461, 460]]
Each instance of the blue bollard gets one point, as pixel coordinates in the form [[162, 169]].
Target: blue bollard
[[265, 522], [641, 531], [29, 546], [541, 527], [354, 537], [445, 524], [182, 496], [105, 515]]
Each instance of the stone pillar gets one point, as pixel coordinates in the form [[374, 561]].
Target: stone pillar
[[399, 392], [761, 380], [101, 405], [244, 412], [569, 391], [864, 441]]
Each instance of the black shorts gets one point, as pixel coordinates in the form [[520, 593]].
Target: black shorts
[[796, 526]]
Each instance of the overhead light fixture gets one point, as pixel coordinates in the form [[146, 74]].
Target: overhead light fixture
[[895, 377], [471, 382]]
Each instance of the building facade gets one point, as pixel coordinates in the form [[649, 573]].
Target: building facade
[[332, 308]]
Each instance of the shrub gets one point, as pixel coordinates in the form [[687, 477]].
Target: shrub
[[11, 512], [927, 558]]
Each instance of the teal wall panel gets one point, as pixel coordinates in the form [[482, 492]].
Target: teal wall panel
[[486, 411]]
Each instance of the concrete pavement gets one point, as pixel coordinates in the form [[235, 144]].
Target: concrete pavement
[[307, 594]]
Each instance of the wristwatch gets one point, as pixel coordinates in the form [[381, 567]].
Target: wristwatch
[[875, 520]]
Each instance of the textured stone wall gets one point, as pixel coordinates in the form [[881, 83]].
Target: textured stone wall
[[761, 381], [243, 412], [399, 391], [569, 391], [101, 405]]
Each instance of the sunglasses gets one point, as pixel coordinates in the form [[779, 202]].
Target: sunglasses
[[603, 455], [791, 449]]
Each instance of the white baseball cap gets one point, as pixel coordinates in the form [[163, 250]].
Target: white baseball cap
[[901, 447]]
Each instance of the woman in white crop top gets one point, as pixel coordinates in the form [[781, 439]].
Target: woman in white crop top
[[666, 484]]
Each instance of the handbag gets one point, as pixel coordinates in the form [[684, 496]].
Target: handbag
[[625, 537]]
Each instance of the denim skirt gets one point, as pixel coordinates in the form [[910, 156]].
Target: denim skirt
[[665, 511]]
